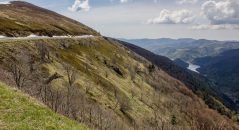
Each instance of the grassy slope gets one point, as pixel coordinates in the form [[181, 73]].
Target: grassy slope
[[88, 57], [22, 19], [20, 112]]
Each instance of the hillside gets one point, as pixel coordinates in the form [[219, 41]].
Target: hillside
[[181, 63], [223, 69], [87, 81], [23, 19], [218, 66], [103, 84], [195, 82], [208, 53], [20, 112]]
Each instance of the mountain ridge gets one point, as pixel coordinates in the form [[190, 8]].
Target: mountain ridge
[[185, 49], [38, 21]]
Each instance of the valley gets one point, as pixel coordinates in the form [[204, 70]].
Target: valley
[[57, 73]]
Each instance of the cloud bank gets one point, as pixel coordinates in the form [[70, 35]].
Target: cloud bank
[[5, 3], [215, 27], [123, 1], [187, 1], [222, 12], [173, 17]]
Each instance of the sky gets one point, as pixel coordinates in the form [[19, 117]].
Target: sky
[[131, 19]]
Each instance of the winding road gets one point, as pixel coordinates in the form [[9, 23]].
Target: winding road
[[33, 37]]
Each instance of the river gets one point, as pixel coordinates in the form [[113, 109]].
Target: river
[[193, 67]]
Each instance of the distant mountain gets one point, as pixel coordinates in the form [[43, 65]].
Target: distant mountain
[[185, 49], [23, 19], [223, 69]]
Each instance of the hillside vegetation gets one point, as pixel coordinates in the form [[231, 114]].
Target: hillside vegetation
[[21, 112], [91, 81], [200, 85], [217, 60], [223, 69], [23, 19]]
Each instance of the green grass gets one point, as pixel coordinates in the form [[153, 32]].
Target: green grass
[[20, 112]]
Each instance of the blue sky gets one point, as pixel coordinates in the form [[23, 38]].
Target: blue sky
[[209, 19]]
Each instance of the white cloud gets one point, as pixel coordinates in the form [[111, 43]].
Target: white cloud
[[123, 1], [221, 12], [5, 3], [173, 17], [187, 1], [215, 27], [80, 5]]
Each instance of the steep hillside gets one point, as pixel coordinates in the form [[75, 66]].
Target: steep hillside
[[224, 70], [181, 63], [197, 83], [200, 52], [20, 112], [23, 19], [90, 80]]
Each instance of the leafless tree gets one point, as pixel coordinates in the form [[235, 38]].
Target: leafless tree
[[45, 87], [71, 79], [18, 74], [43, 51], [57, 99], [88, 86]]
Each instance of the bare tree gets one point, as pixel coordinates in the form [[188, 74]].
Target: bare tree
[[30, 63], [71, 79], [57, 100], [43, 51], [18, 74], [88, 86], [46, 87]]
